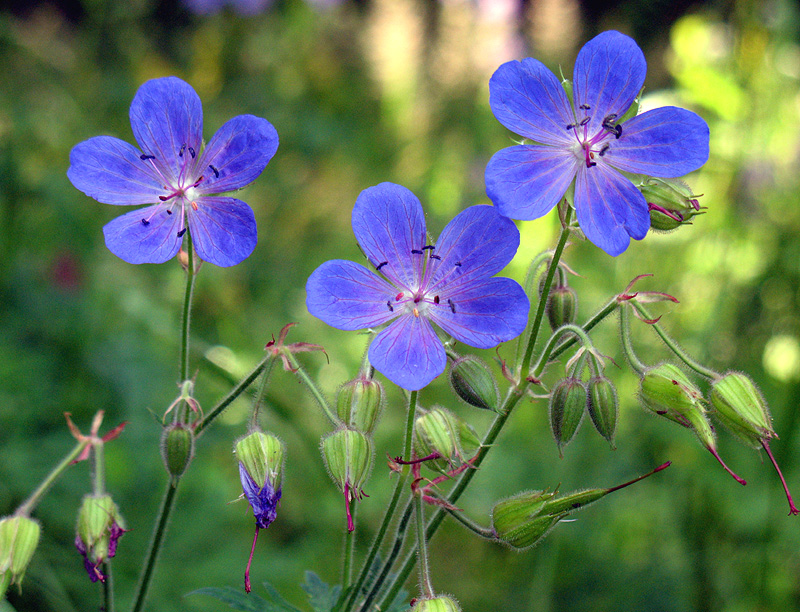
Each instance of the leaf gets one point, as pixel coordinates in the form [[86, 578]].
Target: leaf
[[400, 603], [239, 600], [321, 596]]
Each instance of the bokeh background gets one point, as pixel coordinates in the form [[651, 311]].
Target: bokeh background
[[360, 93]]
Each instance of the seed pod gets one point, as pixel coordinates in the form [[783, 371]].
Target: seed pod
[[603, 407], [740, 406], [348, 457], [519, 521], [359, 403], [19, 536], [562, 304], [474, 383], [440, 431], [671, 203], [436, 604], [177, 449], [567, 405]]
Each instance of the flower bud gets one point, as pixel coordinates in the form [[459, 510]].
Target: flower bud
[[567, 405], [177, 449], [603, 407], [359, 403], [436, 604], [567, 85], [562, 303], [474, 383], [260, 458], [671, 203], [100, 526], [348, 457], [19, 536], [519, 522], [440, 431], [740, 406]]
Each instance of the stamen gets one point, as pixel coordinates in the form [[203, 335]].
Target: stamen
[[458, 264], [429, 246], [191, 150], [416, 313], [398, 297], [389, 304], [585, 120], [584, 107], [181, 233], [145, 157], [603, 150], [380, 265], [572, 126], [452, 305], [169, 212], [435, 299], [198, 181], [169, 197], [216, 172], [194, 205], [145, 222], [435, 256], [183, 148], [416, 252]]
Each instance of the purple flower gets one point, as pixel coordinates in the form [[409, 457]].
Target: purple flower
[[582, 140], [264, 500], [419, 283], [179, 178], [242, 7]]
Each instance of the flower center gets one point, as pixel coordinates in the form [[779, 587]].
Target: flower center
[[419, 300], [589, 147]]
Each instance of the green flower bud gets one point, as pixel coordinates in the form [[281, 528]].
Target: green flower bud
[[671, 203], [177, 449], [19, 536], [562, 304], [567, 85], [474, 383], [261, 455], [633, 109], [567, 405], [519, 521], [348, 457], [100, 525], [440, 431], [359, 403], [603, 407], [740, 406], [437, 604]]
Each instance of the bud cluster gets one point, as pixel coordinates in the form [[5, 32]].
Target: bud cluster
[[445, 437]]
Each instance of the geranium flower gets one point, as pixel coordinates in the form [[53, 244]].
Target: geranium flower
[[177, 176], [582, 140], [418, 283]]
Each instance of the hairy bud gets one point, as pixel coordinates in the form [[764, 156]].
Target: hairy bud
[[177, 449], [567, 405], [260, 458], [440, 431], [562, 304], [19, 536], [603, 407], [359, 403], [474, 383], [100, 526], [436, 604], [740, 406], [348, 457]]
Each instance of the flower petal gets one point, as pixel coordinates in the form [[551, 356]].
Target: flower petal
[[133, 241], [666, 142], [111, 171], [529, 100], [237, 154], [525, 182], [223, 230], [483, 315], [389, 223], [166, 116], [608, 75], [610, 209], [346, 295], [476, 244], [408, 352]]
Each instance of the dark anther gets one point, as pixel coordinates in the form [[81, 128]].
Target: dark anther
[[435, 256], [191, 150], [585, 120], [435, 299], [183, 148], [380, 265], [618, 131], [608, 123], [452, 305], [164, 198], [169, 212], [198, 181], [216, 172], [603, 150], [181, 233], [584, 107], [416, 252], [430, 246], [389, 304], [570, 126], [145, 222], [458, 264], [589, 164], [145, 157]]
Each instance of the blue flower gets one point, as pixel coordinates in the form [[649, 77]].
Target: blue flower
[[582, 140], [181, 180], [264, 500], [419, 283]]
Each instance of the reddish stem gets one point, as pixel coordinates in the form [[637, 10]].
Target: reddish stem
[[663, 466], [792, 508], [350, 525], [738, 479], [430, 457], [249, 561]]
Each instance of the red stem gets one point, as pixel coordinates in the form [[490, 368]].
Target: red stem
[[792, 508]]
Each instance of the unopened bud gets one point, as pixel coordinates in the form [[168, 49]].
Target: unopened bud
[[474, 383], [177, 449], [567, 405], [519, 522], [348, 457], [100, 526], [19, 536], [567, 85], [671, 203], [603, 407], [562, 304], [260, 458], [440, 431], [436, 604], [740, 406], [359, 403]]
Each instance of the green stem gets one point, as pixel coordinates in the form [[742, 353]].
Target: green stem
[[601, 314], [390, 509], [155, 545], [98, 467], [108, 588], [187, 310], [548, 281], [485, 532], [550, 346], [312, 387], [627, 345], [422, 549], [258, 400], [674, 346], [27, 507], [349, 541]]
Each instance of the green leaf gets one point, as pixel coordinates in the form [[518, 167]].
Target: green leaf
[[236, 599], [321, 596], [400, 603]]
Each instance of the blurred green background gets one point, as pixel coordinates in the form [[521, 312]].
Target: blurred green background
[[360, 93]]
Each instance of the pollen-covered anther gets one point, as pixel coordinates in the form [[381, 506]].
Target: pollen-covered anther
[[436, 299], [416, 312], [194, 205], [398, 297], [435, 256], [585, 107], [585, 120]]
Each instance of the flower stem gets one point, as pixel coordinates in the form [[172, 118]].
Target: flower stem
[[627, 346], [349, 541], [792, 508], [312, 387], [187, 310], [422, 549], [601, 314], [27, 507], [485, 532], [97, 458], [578, 332], [108, 588]]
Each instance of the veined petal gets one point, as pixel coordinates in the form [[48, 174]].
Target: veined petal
[[166, 115], [529, 100], [156, 241], [111, 171], [610, 209], [666, 142], [483, 315], [389, 223], [476, 244], [408, 352], [237, 154], [346, 295], [525, 182], [608, 75], [223, 230]]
